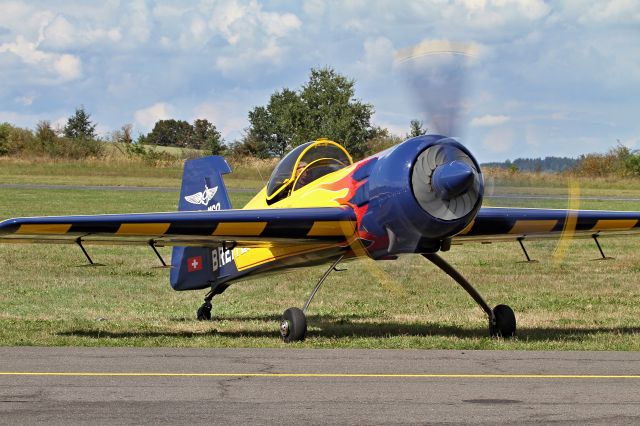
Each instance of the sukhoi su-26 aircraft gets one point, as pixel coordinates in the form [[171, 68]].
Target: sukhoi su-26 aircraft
[[319, 207]]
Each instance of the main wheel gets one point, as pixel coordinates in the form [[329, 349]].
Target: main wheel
[[505, 322], [204, 312], [293, 326]]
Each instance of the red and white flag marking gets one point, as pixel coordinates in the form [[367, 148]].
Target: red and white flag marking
[[194, 264]]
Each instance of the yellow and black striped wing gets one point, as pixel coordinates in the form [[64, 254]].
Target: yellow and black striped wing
[[249, 228], [501, 223]]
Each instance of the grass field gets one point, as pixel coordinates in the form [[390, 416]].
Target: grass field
[[49, 298]]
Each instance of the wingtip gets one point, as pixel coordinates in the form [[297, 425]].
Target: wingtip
[[9, 226]]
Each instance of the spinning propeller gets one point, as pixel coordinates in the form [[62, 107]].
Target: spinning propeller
[[436, 73], [445, 180]]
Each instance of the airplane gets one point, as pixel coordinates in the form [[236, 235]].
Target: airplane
[[422, 196]]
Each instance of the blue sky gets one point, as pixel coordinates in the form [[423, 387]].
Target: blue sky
[[550, 78]]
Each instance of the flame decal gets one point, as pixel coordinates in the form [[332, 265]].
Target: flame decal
[[365, 241]]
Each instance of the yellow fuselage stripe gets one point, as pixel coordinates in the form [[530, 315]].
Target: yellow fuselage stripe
[[328, 375], [260, 256], [340, 228]]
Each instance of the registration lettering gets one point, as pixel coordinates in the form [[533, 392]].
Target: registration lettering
[[220, 257]]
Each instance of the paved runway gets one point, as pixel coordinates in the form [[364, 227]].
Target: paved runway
[[291, 386]]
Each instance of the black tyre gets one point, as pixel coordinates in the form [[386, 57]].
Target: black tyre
[[204, 312], [293, 326], [505, 322]]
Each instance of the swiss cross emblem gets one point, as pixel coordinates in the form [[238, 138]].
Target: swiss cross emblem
[[194, 264]]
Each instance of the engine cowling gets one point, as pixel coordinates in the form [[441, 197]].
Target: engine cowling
[[421, 193]]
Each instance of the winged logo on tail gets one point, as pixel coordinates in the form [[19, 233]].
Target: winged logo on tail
[[203, 197]]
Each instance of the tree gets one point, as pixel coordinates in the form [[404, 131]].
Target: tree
[[277, 125], [44, 132], [380, 140], [79, 125], [122, 135], [125, 134], [249, 146], [416, 129], [171, 133], [206, 137], [332, 111], [323, 107]]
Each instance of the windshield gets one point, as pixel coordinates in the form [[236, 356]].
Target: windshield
[[311, 159], [283, 172]]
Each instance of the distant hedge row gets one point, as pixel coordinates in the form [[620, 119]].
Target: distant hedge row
[[19, 142]]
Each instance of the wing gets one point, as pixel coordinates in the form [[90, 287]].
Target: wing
[[196, 198], [247, 228], [502, 223]]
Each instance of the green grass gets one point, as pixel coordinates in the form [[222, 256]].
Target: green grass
[[48, 298], [112, 173]]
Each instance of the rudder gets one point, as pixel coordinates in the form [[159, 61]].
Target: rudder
[[202, 189]]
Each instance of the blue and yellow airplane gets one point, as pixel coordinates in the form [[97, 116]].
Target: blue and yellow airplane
[[319, 207]]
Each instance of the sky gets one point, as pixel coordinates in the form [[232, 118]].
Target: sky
[[555, 78]]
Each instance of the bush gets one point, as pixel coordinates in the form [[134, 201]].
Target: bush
[[618, 161], [75, 149], [14, 140], [18, 142]]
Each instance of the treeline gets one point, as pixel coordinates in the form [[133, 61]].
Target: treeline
[[536, 165], [619, 161], [77, 139]]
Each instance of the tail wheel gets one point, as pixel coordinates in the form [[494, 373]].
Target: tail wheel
[[293, 326], [505, 325], [204, 312]]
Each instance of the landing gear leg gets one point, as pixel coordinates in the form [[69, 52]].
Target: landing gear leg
[[502, 320], [293, 325], [524, 250], [204, 311], [603, 257]]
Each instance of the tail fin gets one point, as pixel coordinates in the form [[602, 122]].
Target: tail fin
[[202, 189]]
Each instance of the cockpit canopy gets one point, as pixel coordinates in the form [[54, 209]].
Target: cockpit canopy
[[304, 164]]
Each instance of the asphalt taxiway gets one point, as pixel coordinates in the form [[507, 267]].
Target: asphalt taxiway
[[316, 386]]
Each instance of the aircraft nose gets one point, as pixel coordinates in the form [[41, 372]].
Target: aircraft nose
[[452, 179]]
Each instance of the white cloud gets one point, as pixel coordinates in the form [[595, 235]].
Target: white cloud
[[279, 24], [137, 21], [612, 11], [489, 120], [378, 55], [67, 67], [25, 100], [61, 34], [491, 13], [147, 117], [255, 37], [314, 8], [227, 116]]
